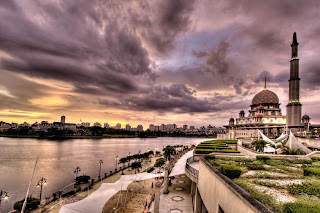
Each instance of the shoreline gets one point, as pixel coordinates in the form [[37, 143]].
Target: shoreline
[[92, 137]]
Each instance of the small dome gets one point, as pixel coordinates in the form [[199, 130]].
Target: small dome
[[241, 112], [305, 116], [265, 97], [260, 107], [258, 115], [231, 119]]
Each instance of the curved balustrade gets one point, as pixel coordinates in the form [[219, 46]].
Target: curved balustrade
[[194, 172]]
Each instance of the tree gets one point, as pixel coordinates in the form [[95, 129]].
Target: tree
[[136, 156], [123, 161], [168, 151], [159, 162], [32, 203], [286, 150], [136, 165], [259, 144]]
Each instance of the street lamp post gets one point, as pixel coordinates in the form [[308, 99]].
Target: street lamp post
[[41, 182], [129, 160], [100, 163], [76, 171], [3, 195], [116, 162]]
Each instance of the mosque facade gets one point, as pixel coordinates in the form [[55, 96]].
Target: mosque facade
[[265, 112]]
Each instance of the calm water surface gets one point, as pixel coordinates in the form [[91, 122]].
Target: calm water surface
[[58, 159]]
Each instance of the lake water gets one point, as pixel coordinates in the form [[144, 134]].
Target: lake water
[[58, 159]]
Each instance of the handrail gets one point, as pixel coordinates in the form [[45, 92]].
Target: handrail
[[192, 170]]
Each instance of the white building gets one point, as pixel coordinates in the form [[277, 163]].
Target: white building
[[97, 124], [118, 126], [139, 128], [106, 125], [151, 127], [128, 127]]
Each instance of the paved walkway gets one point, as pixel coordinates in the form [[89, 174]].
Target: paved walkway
[[178, 200]]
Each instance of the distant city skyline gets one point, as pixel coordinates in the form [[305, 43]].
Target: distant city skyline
[[153, 62]]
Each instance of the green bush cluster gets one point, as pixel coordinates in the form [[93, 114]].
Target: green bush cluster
[[263, 158], [150, 169], [310, 171], [301, 161], [314, 159], [32, 203], [310, 188], [231, 171], [210, 157], [256, 165], [299, 207]]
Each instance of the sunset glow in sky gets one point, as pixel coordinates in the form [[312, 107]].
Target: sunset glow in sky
[[194, 62]]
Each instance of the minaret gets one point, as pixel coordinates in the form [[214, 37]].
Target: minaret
[[294, 105]]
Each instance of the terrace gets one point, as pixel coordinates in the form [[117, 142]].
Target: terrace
[[262, 184]]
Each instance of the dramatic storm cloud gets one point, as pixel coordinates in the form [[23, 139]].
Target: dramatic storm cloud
[[138, 61]]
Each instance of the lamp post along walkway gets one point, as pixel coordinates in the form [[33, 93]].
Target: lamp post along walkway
[[100, 163], [41, 182]]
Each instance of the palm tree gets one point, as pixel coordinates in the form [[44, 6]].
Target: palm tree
[[259, 144]]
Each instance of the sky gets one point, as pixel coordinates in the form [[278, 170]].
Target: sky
[[195, 62]]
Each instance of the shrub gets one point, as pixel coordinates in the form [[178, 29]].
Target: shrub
[[256, 165], [299, 207], [301, 161], [82, 179], [210, 157], [310, 188], [309, 171], [32, 203], [263, 158], [150, 169], [314, 159], [208, 151], [231, 171]]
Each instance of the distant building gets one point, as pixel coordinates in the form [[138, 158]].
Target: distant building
[[106, 125], [118, 126], [85, 124], [162, 128], [192, 128], [128, 127], [63, 119], [97, 124], [151, 127], [185, 127], [139, 128], [157, 128]]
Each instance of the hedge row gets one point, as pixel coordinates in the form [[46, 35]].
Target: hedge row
[[315, 159], [310, 171], [299, 207], [231, 171], [310, 188], [208, 151], [210, 157]]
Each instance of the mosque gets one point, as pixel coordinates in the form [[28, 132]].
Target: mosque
[[265, 112]]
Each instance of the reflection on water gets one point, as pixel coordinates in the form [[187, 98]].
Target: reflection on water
[[58, 159]]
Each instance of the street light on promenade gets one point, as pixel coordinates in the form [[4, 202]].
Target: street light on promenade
[[100, 163], [116, 162], [4, 195], [41, 182], [76, 171]]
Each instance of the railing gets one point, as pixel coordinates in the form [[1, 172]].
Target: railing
[[192, 170]]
